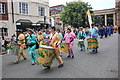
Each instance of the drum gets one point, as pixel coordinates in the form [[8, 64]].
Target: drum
[[80, 43], [92, 43], [64, 47], [45, 55]]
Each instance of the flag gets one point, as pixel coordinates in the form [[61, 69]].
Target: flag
[[89, 17]]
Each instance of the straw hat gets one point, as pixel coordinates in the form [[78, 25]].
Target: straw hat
[[30, 30], [40, 31]]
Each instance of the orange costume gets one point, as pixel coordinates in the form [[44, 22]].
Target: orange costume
[[21, 42], [40, 39], [55, 41]]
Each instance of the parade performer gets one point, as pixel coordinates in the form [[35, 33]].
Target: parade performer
[[47, 38], [54, 42], [40, 38], [32, 40], [61, 36], [21, 42], [105, 31], [69, 38], [94, 34], [81, 36], [101, 32]]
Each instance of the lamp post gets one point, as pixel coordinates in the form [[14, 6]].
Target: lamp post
[[44, 21]]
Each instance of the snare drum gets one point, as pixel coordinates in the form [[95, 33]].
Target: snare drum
[[45, 55], [92, 43], [64, 47], [80, 43]]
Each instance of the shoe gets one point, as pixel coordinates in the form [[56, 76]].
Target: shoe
[[25, 58], [93, 51], [33, 63], [72, 56], [48, 67], [96, 51], [16, 62], [68, 56], [60, 65]]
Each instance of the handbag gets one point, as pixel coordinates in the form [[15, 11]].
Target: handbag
[[37, 45]]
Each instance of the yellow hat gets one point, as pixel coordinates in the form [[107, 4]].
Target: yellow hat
[[40, 31]]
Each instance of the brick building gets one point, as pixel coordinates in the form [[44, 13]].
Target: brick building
[[55, 14]]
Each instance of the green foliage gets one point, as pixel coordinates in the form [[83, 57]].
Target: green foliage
[[74, 13]]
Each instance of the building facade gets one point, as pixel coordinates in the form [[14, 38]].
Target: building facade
[[55, 14], [105, 17], [3, 17], [24, 14], [118, 11]]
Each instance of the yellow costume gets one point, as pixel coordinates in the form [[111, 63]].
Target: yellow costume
[[40, 38], [21, 42], [55, 40]]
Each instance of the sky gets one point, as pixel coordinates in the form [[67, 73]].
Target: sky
[[96, 4]]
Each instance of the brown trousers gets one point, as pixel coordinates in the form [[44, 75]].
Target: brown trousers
[[56, 53], [20, 53]]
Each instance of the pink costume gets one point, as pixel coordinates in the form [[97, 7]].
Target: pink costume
[[68, 37]]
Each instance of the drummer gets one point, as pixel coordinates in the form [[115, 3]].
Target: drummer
[[32, 45], [81, 36], [54, 42], [40, 37], [69, 38], [21, 42], [94, 34]]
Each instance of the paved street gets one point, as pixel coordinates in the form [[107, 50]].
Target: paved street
[[84, 65]]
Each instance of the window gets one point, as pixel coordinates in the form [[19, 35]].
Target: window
[[41, 11], [3, 32], [2, 8], [23, 8]]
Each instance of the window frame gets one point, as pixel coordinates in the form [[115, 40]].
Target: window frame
[[41, 11], [23, 8], [3, 6]]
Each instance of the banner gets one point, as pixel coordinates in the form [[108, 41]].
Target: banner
[[89, 17]]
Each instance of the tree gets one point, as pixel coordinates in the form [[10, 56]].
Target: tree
[[74, 13]]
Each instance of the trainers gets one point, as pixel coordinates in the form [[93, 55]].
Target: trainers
[[48, 67], [25, 58], [72, 56], [16, 62], [68, 56], [60, 65], [33, 63]]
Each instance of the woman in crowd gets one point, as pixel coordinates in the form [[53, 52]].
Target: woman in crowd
[[40, 38], [54, 42], [47, 37], [69, 38], [93, 31], [81, 36], [101, 32], [32, 40], [61, 36], [21, 42]]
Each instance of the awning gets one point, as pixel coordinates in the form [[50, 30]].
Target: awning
[[23, 21], [42, 22]]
